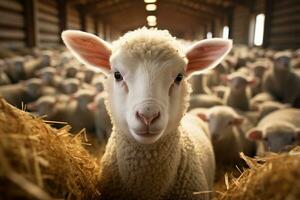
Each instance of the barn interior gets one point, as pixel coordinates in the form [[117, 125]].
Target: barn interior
[[54, 121]]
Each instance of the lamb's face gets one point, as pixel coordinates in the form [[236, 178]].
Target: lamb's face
[[238, 84], [146, 70], [276, 137], [221, 123], [147, 95]]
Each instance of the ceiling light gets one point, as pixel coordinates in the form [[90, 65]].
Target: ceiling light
[[152, 23], [151, 7], [151, 18], [149, 1]]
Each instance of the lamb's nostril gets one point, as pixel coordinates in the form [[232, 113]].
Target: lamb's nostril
[[147, 119]]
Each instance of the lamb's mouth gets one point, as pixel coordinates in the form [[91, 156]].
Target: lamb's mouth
[[147, 133]]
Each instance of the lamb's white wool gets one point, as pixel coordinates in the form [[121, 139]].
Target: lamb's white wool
[[151, 154]]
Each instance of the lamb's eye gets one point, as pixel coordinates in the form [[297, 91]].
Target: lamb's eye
[[118, 76], [178, 78]]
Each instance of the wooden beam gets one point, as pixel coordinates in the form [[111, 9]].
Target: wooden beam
[[212, 11], [112, 8], [31, 29], [212, 27], [229, 13], [96, 25], [245, 3], [82, 16], [115, 9], [62, 16], [268, 19], [188, 11]]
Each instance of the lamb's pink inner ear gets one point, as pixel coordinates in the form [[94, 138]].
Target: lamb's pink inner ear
[[238, 121], [206, 54], [254, 135], [89, 49], [202, 116]]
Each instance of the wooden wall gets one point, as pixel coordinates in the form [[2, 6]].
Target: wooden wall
[[12, 24], [241, 23], [285, 24], [73, 18], [39, 23], [48, 23]]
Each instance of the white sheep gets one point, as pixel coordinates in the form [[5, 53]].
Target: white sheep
[[281, 81], [227, 132], [150, 153], [239, 94], [204, 101], [277, 131]]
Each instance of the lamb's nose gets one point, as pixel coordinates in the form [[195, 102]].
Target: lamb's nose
[[147, 119]]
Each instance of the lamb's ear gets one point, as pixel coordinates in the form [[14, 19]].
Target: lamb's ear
[[238, 120], [206, 54], [254, 134], [89, 49], [202, 116]]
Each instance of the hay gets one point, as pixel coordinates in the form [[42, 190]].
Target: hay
[[275, 176], [40, 162]]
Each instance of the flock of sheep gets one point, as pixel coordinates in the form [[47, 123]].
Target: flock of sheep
[[51, 84], [162, 144]]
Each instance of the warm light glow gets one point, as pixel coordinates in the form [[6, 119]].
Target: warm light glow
[[149, 1], [151, 7], [209, 35], [152, 23], [151, 19], [225, 32], [259, 30]]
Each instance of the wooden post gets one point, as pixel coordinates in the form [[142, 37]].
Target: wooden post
[[230, 21], [212, 27], [268, 19], [62, 15], [96, 25], [31, 29], [82, 15]]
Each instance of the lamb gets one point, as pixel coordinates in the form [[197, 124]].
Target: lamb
[[258, 69], [101, 116], [238, 95], [4, 79], [23, 92], [199, 85], [228, 134], [259, 99], [204, 101], [70, 85], [150, 153], [280, 78], [277, 131], [268, 107]]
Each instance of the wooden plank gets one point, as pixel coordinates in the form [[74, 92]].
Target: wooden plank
[[12, 44], [281, 12], [31, 26], [11, 5], [47, 9], [48, 28], [12, 34], [11, 19], [289, 19], [44, 17], [49, 37]]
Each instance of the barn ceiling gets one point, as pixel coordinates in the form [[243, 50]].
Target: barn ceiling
[[181, 17]]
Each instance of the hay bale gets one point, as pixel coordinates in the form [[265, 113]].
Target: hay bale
[[40, 162], [275, 176]]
